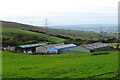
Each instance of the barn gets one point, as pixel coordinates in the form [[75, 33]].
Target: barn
[[87, 48], [28, 48], [77, 49], [61, 47], [53, 48], [47, 48], [96, 46]]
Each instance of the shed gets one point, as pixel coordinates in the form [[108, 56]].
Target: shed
[[28, 48], [87, 48], [53, 48], [66, 46], [47, 48], [96, 46], [77, 49]]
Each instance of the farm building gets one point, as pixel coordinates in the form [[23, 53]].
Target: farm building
[[29, 48], [53, 48], [77, 49], [87, 48], [96, 46], [47, 48]]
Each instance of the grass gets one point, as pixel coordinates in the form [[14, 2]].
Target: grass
[[76, 65], [113, 44], [71, 33], [72, 37], [0, 64], [26, 36]]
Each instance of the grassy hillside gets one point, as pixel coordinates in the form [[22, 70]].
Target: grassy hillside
[[72, 33], [77, 65], [16, 36], [53, 35]]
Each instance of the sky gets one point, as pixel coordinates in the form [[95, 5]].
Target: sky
[[60, 12]]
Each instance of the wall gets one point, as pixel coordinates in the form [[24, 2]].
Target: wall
[[102, 48], [46, 50], [52, 50], [41, 50]]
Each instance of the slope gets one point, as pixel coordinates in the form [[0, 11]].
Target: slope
[[14, 37], [72, 33]]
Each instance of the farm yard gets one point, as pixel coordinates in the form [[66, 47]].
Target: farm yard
[[77, 65]]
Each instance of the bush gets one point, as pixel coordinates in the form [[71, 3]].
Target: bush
[[99, 53]]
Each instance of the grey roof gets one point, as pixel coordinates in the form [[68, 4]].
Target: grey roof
[[51, 45], [94, 45], [65, 46], [32, 45], [59, 45]]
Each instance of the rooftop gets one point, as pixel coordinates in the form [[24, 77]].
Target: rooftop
[[59, 45], [77, 48], [94, 45], [65, 46], [51, 45], [32, 45]]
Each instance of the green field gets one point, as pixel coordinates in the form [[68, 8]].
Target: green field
[[74, 65], [70, 33], [16, 36]]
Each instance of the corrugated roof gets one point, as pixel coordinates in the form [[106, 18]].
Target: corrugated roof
[[94, 45], [32, 45], [78, 48], [51, 45], [65, 46]]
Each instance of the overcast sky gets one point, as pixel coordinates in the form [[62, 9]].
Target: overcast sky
[[60, 12]]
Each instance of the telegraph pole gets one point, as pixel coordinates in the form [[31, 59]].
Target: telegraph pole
[[100, 34], [46, 22], [100, 29]]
